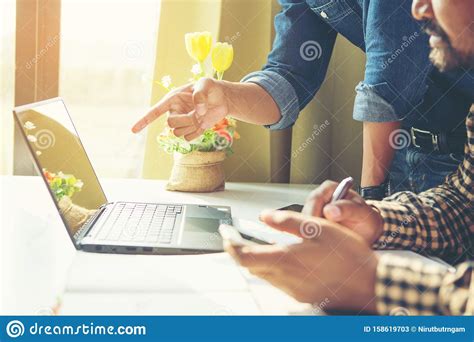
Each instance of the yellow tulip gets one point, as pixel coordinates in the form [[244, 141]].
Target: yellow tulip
[[222, 57], [198, 45]]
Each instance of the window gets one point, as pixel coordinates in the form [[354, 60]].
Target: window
[[107, 59], [7, 72]]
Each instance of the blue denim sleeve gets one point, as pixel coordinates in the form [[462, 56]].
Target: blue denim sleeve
[[298, 62], [397, 64], [282, 92]]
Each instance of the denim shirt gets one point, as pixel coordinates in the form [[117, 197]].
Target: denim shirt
[[399, 83]]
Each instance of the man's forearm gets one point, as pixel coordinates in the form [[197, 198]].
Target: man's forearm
[[399, 279], [251, 103], [377, 152]]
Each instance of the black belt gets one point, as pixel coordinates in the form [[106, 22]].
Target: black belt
[[441, 143]]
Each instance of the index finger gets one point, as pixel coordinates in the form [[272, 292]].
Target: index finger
[[321, 196], [160, 108], [286, 221], [155, 112], [306, 227]]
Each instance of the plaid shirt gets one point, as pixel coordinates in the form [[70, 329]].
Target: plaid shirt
[[438, 222]]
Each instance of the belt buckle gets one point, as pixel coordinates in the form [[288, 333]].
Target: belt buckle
[[434, 138], [413, 137], [434, 141]]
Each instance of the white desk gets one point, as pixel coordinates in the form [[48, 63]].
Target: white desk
[[36, 253]]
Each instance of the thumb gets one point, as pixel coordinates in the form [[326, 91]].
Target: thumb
[[200, 94], [347, 210]]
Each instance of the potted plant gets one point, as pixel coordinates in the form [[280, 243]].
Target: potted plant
[[197, 164]]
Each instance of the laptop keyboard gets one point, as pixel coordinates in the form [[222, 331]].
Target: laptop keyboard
[[141, 222]]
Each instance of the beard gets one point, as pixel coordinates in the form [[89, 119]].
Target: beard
[[446, 57]]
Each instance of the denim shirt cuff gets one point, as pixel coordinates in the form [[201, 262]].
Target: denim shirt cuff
[[370, 106], [282, 93]]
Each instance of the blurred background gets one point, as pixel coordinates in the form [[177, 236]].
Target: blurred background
[[102, 57]]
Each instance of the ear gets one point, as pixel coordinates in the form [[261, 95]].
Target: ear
[[422, 10]]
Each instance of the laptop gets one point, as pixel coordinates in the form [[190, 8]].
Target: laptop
[[93, 223]]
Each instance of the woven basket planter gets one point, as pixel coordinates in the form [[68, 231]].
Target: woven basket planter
[[197, 172]]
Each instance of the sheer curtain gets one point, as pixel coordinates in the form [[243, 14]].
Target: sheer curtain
[[107, 57], [7, 72]]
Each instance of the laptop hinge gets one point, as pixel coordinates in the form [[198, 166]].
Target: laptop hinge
[[87, 226]]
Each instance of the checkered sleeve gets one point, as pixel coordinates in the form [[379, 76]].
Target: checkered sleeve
[[439, 221], [406, 286]]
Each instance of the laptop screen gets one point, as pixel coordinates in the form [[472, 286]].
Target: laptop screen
[[62, 160]]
